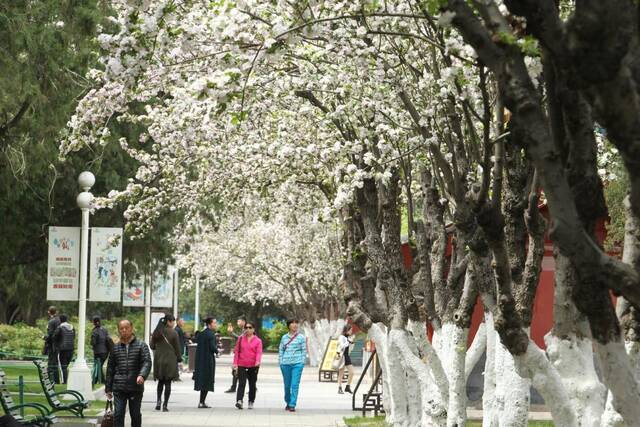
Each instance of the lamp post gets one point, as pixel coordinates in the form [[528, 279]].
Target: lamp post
[[196, 316], [79, 373], [176, 280]]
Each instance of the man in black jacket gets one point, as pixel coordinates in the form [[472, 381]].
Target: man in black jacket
[[65, 339], [128, 367], [49, 345]]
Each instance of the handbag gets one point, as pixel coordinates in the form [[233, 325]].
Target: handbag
[[107, 418]]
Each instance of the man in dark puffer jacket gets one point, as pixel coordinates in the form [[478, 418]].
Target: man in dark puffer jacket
[[64, 338], [128, 367]]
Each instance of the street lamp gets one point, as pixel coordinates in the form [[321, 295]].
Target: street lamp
[[79, 373]]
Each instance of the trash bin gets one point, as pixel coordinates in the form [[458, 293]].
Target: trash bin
[[226, 344], [191, 348]]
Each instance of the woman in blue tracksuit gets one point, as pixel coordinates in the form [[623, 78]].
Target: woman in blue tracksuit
[[292, 355]]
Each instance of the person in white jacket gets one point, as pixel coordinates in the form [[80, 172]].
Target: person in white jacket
[[344, 343]]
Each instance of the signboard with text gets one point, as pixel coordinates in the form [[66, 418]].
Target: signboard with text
[[63, 269]]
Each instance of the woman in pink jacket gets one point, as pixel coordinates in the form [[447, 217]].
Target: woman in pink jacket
[[246, 360]]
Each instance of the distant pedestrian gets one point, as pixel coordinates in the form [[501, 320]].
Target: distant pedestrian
[[291, 356], [205, 363], [129, 365], [166, 346], [246, 362], [182, 338], [64, 338], [241, 322], [344, 341], [49, 346], [102, 344]]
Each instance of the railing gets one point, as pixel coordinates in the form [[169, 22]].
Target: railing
[[372, 400]]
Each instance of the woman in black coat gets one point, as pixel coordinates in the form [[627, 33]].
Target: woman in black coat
[[205, 365]]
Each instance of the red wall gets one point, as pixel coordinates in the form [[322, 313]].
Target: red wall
[[542, 320]]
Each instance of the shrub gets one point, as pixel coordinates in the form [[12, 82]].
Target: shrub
[[271, 337], [21, 341]]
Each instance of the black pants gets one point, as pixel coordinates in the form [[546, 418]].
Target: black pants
[[65, 359], [120, 400], [244, 374], [52, 366], [166, 385], [234, 383]]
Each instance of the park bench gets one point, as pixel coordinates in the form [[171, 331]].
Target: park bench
[[44, 419], [77, 408]]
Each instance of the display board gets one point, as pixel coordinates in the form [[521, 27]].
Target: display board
[[105, 265], [133, 291], [162, 285], [326, 371], [63, 269]]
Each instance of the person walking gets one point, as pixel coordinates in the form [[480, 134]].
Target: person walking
[[292, 354], [344, 341], [101, 344], [205, 363], [166, 355], [50, 351], [182, 338], [64, 338], [246, 362], [241, 322], [129, 365]]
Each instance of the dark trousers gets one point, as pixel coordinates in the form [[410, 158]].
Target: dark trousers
[[234, 383], [244, 375], [52, 366], [65, 359], [98, 360], [120, 400]]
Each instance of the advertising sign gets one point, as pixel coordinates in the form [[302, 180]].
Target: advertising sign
[[63, 268], [162, 285], [133, 291], [105, 265]]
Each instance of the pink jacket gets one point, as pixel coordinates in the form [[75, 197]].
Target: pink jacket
[[248, 353]]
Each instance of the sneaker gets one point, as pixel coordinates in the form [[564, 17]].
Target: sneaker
[[250, 405], [203, 405], [286, 408], [292, 409], [231, 390], [348, 389], [239, 404], [158, 403], [340, 390]]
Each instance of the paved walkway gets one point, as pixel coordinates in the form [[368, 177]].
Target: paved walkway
[[318, 403]]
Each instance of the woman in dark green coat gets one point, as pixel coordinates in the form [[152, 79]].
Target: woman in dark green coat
[[166, 355], [205, 366]]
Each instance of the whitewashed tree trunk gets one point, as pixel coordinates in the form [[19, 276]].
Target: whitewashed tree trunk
[[489, 404], [452, 343], [475, 351], [610, 417], [572, 357], [512, 391], [619, 377], [319, 335], [433, 411], [533, 364]]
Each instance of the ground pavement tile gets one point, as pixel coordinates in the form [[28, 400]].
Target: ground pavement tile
[[319, 405]]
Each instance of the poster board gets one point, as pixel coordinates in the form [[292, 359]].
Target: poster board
[[326, 373], [133, 291], [162, 288], [105, 264], [63, 269]]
